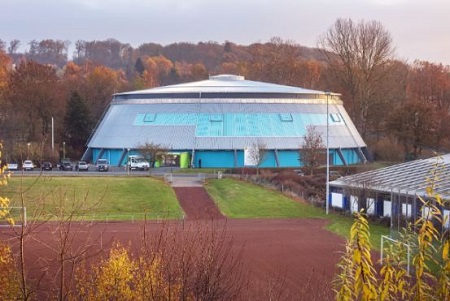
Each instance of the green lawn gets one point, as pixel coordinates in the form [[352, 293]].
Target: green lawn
[[237, 199], [341, 225], [120, 198]]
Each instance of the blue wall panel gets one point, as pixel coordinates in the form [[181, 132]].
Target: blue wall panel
[[226, 158], [269, 160], [211, 159], [351, 156], [288, 158]]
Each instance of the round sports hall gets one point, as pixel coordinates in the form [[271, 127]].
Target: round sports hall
[[216, 122]]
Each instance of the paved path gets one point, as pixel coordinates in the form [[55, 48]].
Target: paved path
[[186, 180]]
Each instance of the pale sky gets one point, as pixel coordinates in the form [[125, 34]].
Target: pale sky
[[420, 28]]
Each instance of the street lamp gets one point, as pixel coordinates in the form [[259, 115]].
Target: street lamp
[[128, 161], [64, 150], [328, 162]]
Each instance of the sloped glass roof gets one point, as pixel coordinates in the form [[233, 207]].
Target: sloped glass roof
[[410, 178]]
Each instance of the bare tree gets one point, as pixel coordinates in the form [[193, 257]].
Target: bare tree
[[152, 151], [358, 55], [13, 46], [69, 228], [312, 151], [257, 153]]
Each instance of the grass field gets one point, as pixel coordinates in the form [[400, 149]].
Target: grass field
[[237, 199], [119, 198]]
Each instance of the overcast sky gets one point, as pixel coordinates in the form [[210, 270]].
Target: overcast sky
[[420, 28]]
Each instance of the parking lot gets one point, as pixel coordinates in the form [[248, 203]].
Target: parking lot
[[113, 171]]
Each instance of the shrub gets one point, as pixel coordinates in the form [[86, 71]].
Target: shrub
[[387, 149]]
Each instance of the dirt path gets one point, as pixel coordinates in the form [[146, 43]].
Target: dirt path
[[196, 203]]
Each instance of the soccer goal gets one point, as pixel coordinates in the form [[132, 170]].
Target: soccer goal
[[18, 215], [385, 240]]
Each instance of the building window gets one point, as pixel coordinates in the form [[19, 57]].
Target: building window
[[286, 117], [215, 118], [149, 117], [336, 117]]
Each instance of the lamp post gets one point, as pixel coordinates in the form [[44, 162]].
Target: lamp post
[[128, 161], [28, 150], [64, 150], [328, 161]]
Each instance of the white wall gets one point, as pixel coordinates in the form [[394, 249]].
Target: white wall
[[446, 216], [370, 203], [337, 200], [404, 208], [353, 204], [387, 207]]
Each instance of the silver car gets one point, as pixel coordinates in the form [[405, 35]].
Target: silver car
[[82, 166], [27, 165]]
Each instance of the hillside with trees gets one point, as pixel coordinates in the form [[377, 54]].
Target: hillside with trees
[[401, 109]]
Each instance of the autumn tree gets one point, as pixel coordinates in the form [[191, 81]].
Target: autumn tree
[[430, 84], [312, 150], [414, 125], [101, 84], [110, 53], [53, 52], [5, 69], [157, 68], [32, 97], [275, 61], [392, 92], [358, 55]]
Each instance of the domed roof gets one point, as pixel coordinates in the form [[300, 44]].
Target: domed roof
[[223, 86]]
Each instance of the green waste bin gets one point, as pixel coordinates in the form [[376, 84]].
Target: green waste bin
[[184, 160], [157, 163]]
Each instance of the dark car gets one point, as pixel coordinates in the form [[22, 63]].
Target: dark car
[[66, 166], [47, 166]]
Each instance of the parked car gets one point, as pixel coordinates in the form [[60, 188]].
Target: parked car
[[12, 166], [137, 162], [66, 165], [82, 166], [27, 165], [47, 165], [102, 165]]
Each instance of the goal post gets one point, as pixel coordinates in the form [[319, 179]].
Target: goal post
[[385, 240]]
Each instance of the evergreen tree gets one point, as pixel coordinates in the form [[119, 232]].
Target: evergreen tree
[[77, 124]]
